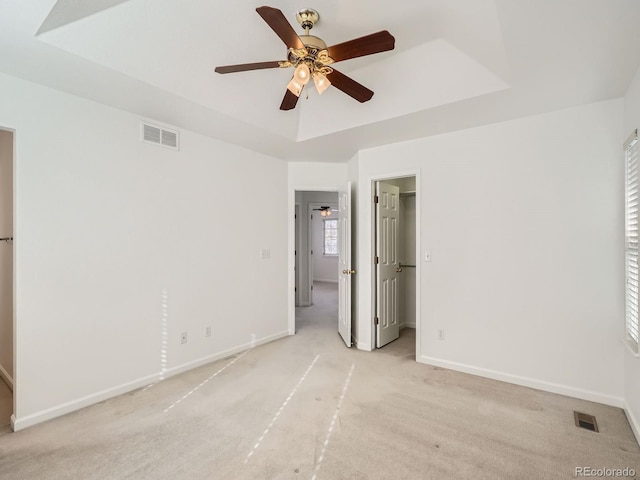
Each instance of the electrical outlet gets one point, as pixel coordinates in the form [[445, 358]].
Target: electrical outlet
[[183, 337], [207, 331], [441, 334]]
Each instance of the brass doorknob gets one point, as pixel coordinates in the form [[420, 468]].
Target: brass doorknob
[[348, 272]]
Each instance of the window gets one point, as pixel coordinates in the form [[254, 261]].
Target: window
[[632, 177], [330, 237]]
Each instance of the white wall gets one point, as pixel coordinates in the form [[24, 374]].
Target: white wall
[[106, 224], [6, 256], [317, 176], [631, 362], [524, 223]]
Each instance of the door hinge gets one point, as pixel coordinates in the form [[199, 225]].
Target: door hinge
[[311, 217], [295, 289], [311, 252], [295, 252], [311, 287], [376, 199], [376, 260], [377, 321]]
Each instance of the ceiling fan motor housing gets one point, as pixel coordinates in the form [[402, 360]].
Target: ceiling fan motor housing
[[313, 42]]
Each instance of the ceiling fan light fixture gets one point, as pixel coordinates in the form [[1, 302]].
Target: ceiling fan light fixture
[[295, 87], [321, 82], [310, 57], [302, 74]]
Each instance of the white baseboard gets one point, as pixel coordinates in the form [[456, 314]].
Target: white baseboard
[[526, 381], [68, 407], [633, 421], [407, 325], [88, 400], [333, 280], [364, 346], [225, 353], [4, 375]]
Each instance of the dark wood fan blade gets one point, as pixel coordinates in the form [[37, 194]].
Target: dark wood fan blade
[[279, 24], [350, 86], [243, 67], [359, 47], [289, 101]]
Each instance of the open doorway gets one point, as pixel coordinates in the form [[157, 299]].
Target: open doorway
[[316, 260], [7, 367], [395, 266]]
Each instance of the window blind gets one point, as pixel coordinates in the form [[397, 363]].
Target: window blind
[[632, 191], [330, 245]]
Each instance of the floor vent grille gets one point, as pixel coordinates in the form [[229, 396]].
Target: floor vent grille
[[586, 421]]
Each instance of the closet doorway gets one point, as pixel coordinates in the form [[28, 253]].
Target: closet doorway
[[395, 266]]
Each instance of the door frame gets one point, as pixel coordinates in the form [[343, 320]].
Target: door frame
[[296, 246], [372, 241], [291, 274], [14, 386]]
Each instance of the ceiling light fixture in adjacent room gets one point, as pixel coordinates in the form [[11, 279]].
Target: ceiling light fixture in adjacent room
[[324, 211]]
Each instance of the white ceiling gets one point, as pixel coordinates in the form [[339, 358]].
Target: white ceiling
[[456, 64]]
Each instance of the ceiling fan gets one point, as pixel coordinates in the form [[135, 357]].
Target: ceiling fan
[[312, 59], [324, 211]]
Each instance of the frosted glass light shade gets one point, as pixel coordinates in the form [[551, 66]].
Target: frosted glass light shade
[[295, 87], [322, 82], [302, 74]]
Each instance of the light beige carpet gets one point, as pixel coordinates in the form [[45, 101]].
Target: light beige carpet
[[306, 407]]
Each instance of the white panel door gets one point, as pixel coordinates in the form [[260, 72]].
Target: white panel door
[[387, 278], [344, 265]]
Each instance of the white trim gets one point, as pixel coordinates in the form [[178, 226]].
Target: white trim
[[309, 250], [333, 280], [225, 353], [296, 245], [88, 400], [364, 346], [633, 422], [6, 377], [68, 407], [631, 346], [526, 381]]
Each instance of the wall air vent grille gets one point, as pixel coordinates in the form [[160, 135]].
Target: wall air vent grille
[[160, 136]]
